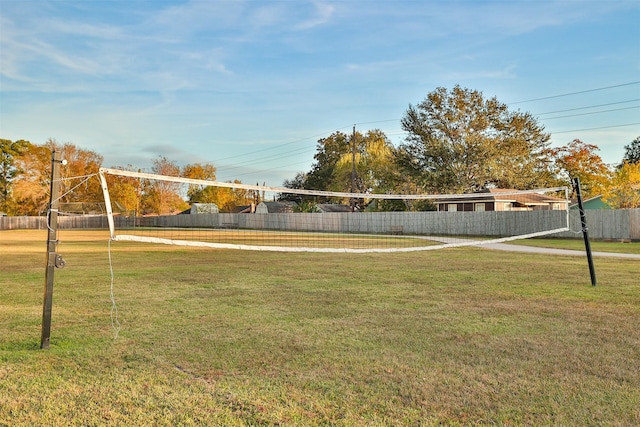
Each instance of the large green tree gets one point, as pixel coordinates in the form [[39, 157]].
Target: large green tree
[[632, 152], [458, 141], [334, 161], [9, 152], [329, 151], [359, 162]]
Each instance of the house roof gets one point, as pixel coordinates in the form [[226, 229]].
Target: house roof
[[504, 195], [243, 209], [333, 207], [594, 202], [279, 207]]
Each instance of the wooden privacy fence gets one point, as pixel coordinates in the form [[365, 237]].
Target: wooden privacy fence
[[607, 224]]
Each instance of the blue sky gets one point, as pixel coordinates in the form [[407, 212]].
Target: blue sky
[[250, 86]]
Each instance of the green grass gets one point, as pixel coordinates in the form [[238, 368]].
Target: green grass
[[212, 337]]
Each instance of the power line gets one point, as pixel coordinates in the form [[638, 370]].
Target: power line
[[587, 107], [262, 159], [593, 112], [300, 150], [598, 128], [576, 93], [281, 145]]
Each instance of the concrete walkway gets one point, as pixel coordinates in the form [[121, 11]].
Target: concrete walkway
[[533, 249], [550, 251]]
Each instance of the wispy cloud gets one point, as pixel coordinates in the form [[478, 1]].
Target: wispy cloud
[[507, 72], [323, 13]]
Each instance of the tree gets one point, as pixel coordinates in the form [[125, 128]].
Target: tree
[[372, 162], [31, 185], [125, 191], [80, 165], [329, 151], [460, 142], [580, 160], [334, 162], [9, 151], [632, 152], [227, 199], [200, 193], [374, 156], [162, 197], [624, 189], [231, 198]]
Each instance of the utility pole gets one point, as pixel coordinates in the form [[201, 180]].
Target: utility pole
[[353, 168], [53, 259]]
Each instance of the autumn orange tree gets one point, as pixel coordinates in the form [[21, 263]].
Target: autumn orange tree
[[125, 192], [225, 198], [581, 160], [77, 184], [162, 197], [200, 193], [30, 186], [231, 198], [9, 170], [78, 181]]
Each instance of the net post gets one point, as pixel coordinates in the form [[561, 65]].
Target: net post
[[585, 230], [107, 203], [52, 243]]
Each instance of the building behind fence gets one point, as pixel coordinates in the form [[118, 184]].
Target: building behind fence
[[605, 224]]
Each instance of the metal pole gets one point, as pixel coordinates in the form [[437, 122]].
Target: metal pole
[[52, 243], [353, 168], [585, 230]]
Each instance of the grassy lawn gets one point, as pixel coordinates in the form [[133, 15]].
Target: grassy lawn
[[456, 337]]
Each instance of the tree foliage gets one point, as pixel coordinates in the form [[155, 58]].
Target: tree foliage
[[458, 141], [32, 184], [374, 155], [624, 189], [227, 199], [329, 151], [162, 197], [9, 152], [75, 184], [371, 153], [632, 152], [580, 160], [125, 192], [200, 193]]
